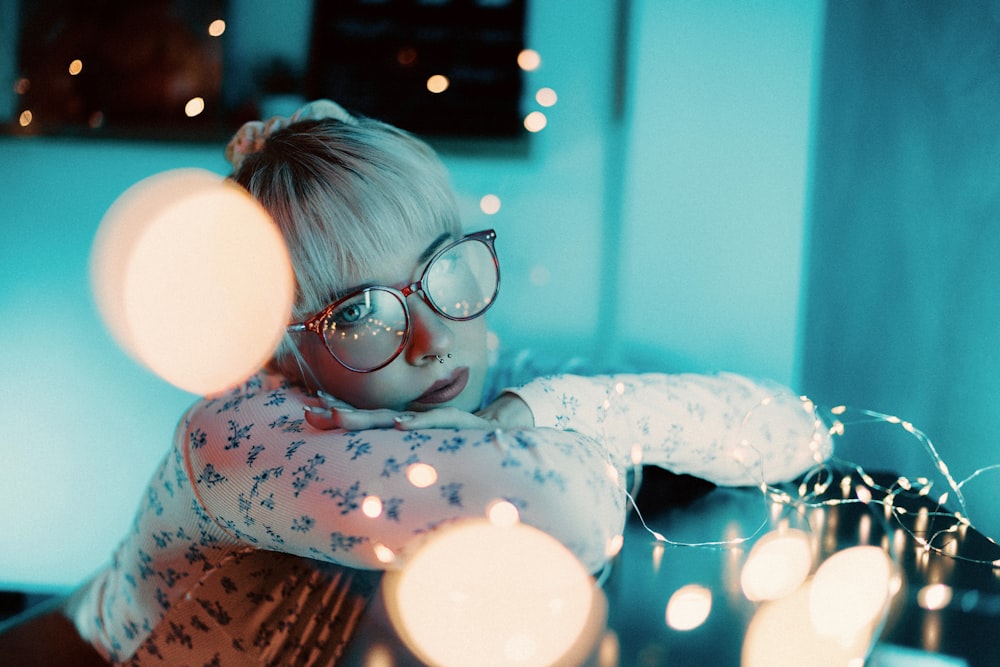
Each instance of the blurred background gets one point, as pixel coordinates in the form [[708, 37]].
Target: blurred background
[[792, 189]]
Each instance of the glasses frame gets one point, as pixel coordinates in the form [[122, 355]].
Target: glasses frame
[[314, 324]]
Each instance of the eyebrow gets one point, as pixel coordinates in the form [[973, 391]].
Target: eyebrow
[[428, 252], [433, 247]]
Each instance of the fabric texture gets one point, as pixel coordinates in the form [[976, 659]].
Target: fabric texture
[[260, 539]]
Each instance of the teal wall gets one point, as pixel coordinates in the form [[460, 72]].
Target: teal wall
[[715, 182], [672, 225], [904, 311]]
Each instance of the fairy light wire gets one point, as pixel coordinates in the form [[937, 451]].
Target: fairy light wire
[[811, 487]]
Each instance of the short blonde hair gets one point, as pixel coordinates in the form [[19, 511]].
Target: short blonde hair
[[346, 193]]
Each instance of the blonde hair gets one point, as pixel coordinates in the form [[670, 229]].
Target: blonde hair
[[346, 193]]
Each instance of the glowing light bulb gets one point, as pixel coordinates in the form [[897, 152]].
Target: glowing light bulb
[[689, 607], [421, 475], [194, 107], [535, 121], [777, 565], [529, 60], [75, 67], [503, 513], [216, 28], [850, 591], [863, 493], [489, 204], [546, 97], [781, 633], [934, 596], [437, 83], [371, 507], [193, 279], [384, 553], [479, 594]]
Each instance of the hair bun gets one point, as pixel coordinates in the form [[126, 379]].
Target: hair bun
[[251, 137], [318, 109]]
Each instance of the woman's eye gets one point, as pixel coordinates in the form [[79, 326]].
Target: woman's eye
[[352, 312], [446, 265]]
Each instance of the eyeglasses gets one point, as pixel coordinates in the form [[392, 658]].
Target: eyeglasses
[[366, 330]]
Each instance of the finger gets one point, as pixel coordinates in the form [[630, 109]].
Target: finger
[[348, 419], [321, 417], [440, 418], [331, 401], [361, 420]]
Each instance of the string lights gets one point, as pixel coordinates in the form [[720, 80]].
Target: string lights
[[835, 481], [931, 525], [825, 572]]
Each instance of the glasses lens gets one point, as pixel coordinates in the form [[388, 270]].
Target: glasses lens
[[366, 329], [463, 282]]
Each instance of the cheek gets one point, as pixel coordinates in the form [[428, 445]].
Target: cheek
[[371, 391], [362, 390], [472, 340], [365, 391], [475, 338]]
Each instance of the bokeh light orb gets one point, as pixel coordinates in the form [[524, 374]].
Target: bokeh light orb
[[193, 279], [851, 591], [478, 593], [781, 633], [777, 565], [832, 619], [689, 607]]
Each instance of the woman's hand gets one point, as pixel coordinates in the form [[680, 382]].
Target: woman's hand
[[507, 412]]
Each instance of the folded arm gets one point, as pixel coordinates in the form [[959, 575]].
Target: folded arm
[[357, 498], [725, 428]]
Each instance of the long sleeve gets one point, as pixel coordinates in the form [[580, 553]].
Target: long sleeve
[[724, 428], [271, 481]]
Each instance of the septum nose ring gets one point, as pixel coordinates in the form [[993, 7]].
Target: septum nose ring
[[441, 359]]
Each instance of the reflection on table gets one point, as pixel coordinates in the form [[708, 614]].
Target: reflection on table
[[843, 569]]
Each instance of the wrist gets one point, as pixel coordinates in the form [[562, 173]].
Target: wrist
[[510, 411]]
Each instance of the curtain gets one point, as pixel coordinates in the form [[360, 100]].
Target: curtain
[[902, 311]]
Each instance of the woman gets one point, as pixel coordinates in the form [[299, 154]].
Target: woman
[[263, 531]]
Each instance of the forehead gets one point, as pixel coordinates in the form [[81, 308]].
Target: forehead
[[399, 262]]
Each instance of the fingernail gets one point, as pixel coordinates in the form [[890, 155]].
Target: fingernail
[[319, 410], [404, 417], [323, 394]]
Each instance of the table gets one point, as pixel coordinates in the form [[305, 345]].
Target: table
[[942, 608]]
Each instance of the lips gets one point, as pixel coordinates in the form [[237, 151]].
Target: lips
[[445, 390]]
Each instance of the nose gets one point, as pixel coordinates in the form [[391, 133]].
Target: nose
[[431, 335]]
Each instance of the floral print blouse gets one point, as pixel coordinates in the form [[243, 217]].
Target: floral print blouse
[[259, 539]]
